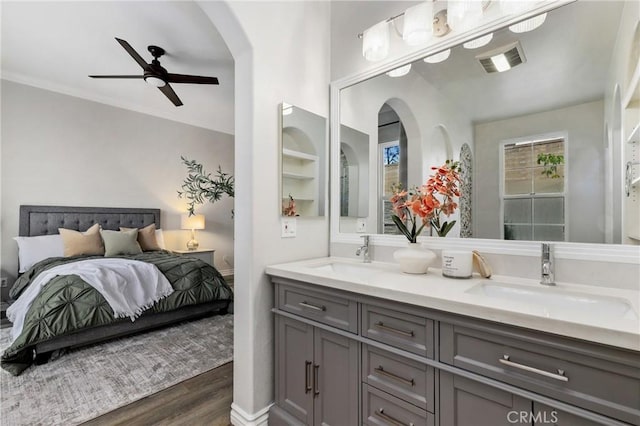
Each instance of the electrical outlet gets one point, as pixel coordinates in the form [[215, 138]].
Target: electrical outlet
[[361, 225], [3, 282], [288, 227]]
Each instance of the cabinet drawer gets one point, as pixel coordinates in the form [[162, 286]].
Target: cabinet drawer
[[326, 308], [404, 331], [409, 380], [596, 378], [380, 408]]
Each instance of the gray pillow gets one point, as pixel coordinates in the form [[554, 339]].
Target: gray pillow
[[120, 242]]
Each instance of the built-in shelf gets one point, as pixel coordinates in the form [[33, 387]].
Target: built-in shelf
[[302, 200], [298, 176], [298, 155], [635, 134]]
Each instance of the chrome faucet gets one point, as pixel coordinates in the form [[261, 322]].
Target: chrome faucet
[[364, 249], [547, 265]]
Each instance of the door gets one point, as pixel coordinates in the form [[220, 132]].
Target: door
[[335, 379], [464, 402], [294, 368]]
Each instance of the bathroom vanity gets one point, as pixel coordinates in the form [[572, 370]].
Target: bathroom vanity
[[365, 344]]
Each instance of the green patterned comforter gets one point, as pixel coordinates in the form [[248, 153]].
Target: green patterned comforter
[[68, 304]]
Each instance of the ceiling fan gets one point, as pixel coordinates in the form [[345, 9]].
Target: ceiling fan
[[155, 75]]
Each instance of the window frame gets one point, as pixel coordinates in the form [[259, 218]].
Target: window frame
[[539, 137]]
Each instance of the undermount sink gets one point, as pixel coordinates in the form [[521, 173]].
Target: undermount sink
[[351, 270], [554, 300]]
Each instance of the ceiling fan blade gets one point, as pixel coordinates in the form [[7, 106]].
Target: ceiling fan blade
[[133, 53], [116, 76], [193, 79], [169, 93]]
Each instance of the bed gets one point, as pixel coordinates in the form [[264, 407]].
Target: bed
[[69, 313]]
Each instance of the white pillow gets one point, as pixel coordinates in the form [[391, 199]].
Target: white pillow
[[32, 250], [160, 239]]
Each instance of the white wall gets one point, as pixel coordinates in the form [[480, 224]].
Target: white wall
[[281, 52], [422, 111], [61, 150], [585, 134]]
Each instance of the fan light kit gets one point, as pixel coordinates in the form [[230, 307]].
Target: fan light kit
[[155, 75]]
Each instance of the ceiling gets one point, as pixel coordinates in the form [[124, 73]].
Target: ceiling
[[567, 62], [56, 45]]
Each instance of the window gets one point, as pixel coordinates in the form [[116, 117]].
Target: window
[[389, 172], [533, 189]]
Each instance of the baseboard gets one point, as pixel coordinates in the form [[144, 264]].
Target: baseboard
[[239, 417]]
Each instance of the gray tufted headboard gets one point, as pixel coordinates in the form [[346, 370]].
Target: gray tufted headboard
[[45, 220]]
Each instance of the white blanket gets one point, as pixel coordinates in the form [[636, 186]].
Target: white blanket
[[129, 286]]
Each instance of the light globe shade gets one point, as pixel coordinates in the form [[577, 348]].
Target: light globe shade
[[528, 25], [155, 81], [375, 42], [478, 42], [399, 72], [195, 221], [438, 57], [463, 15], [418, 23]]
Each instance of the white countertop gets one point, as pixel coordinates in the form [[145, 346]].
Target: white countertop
[[432, 290]]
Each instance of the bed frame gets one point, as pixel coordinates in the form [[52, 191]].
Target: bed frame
[[45, 220]]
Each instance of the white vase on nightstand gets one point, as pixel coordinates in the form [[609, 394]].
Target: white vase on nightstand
[[414, 259]]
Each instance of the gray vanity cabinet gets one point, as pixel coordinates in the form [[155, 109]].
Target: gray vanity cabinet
[[316, 376], [349, 359], [464, 402]]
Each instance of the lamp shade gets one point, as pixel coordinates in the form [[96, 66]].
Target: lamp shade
[[195, 221], [418, 23], [375, 42], [462, 15]]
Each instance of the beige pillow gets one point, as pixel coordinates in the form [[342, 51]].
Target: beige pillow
[[146, 237], [77, 243], [120, 242]]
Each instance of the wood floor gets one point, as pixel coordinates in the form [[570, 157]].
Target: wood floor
[[202, 400]]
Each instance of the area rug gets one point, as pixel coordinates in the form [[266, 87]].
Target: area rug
[[88, 382]]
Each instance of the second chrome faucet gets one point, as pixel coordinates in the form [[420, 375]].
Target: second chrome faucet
[[546, 265]]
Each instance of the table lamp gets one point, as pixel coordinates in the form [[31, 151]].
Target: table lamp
[[192, 222]]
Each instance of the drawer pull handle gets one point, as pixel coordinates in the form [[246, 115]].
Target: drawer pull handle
[[558, 376], [387, 418], [316, 379], [310, 306], [381, 325], [307, 376], [381, 370]]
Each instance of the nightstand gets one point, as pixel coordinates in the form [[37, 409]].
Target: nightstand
[[206, 255]]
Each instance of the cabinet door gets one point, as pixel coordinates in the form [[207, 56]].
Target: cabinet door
[[544, 415], [335, 379], [464, 402], [294, 368]]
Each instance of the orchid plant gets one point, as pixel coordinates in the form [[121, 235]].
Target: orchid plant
[[414, 209]]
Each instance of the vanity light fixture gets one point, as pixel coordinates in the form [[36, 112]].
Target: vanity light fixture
[[375, 42], [418, 23], [528, 25], [154, 81], [438, 57], [400, 71], [478, 42], [514, 7], [463, 15]]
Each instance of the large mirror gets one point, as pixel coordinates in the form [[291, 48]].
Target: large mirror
[[540, 158], [304, 142]]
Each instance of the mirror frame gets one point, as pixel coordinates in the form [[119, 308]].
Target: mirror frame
[[617, 253]]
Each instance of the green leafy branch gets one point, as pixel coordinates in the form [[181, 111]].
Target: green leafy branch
[[199, 186], [550, 162]]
